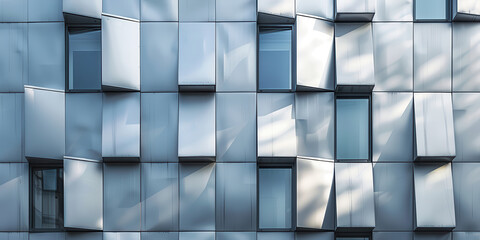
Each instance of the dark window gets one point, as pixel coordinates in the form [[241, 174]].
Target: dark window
[[47, 198], [275, 197]]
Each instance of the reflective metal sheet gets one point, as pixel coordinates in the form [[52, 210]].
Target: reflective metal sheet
[[275, 236], [47, 10], [47, 236], [466, 10], [159, 235], [123, 8], [317, 8], [121, 236], [14, 235], [433, 236], [466, 110], [163, 10], [88, 8], [11, 129], [13, 61], [392, 235], [236, 236], [355, 10], [283, 8], [196, 10], [315, 236], [197, 235], [13, 11], [84, 236], [466, 179], [466, 235], [466, 52], [14, 204], [240, 10], [393, 10]]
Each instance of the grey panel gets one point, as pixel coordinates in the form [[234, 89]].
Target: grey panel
[[44, 124], [14, 235], [275, 236], [393, 186], [159, 127], [197, 10], [83, 194], [159, 235], [197, 235], [88, 8], [393, 10], [236, 236], [321, 9], [467, 195], [159, 196], [434, 202], [14, 204], [196, 125], [236, 56], [47, 236], [121, 236], [315, 53], [276, 125], [47, 10], [315, 236], [240, 10], [236, 198], [432, 56], [393, 56], [392, 236], [124, 8], [197, 197], [84, 236], [163, 10], [466, 52], [236, 127], [466, 109], [283, 8], [315, 200], [159, 56], [121, 125], [354, 195], [356, 10], [13, 11], [197, 45], [120, 53], [433, 236], [83, 136], [434, 130], [11, 129], [392, 121], [122, 211], [466, 235], [13, 61], [46, 54]]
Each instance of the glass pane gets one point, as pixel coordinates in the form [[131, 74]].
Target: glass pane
[[47, 198], [352, 128], [275, 59], [85, 60], [430, 9], [275, 197]]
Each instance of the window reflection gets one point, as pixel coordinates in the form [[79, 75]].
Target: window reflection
[[275, 198], [47, 200], [85, 59], [352, 128], [275, 58], [431, 9]]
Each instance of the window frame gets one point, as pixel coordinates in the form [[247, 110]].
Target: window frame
[[448, 8]]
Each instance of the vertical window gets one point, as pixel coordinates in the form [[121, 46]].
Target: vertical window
[[431, 9], [275, 59], [47, 198], [84, 59], [275, 198]]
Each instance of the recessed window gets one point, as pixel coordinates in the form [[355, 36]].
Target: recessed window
[[47, 198], [431, 10], [84, 59], [275, 198]]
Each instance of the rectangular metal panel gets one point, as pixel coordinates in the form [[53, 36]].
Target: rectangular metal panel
[[433, 236], [13, 11], [392, 121], [282, 8], [159, 235], [354, 195], [88, 8], [236, 56], [196, 10], [197, 236], [466, 52], [197, 197], [466, 235], [47, 236], [120, 53], [236, 127], [318, 8], [83, 133], [159, 127], [315, 200], [393, 10], [159, 56], [11, 129], [122, 211], [159, 196], [13, 61], [84, 236], [47, 10], [124, 8], [434, 130], [240, 10], [392, 236], [466, 110], [154, 10], [315, 236], [276, 135], [14, 235], [432, 56], [434, 202], [355, 6], [236, 236], [46, 54], [121, 125], [315, 53], [467, 195], [14, 204], [121, 236], [393, 56], [469, 7], [275, 236]]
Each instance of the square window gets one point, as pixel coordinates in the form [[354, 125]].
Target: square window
[[275, 197], [47, 198], [431, 10]]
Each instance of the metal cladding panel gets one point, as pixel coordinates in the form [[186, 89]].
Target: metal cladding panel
[[44, 124], [236, 236], [354, 195], [84, 236], [47, 236], [236, 197], [315, 236], [355, 6], [11, 129], [83, 194], [14, 204], [433, 236], [466, 179], [354, 54], [392, 120], [315, 53], [196, 45], [466, 52], [240, 10], [432, 56], [236, 56], [197, 197], [124, 8], [122, 211], [392, 236], [393, 56], [282, 8], [466, 235], [88, 8], [315, 119], [315, 200], [434, 202], [120, 53], [83, 133], [159, 56], [121, 125], [275, 236], [121, 236], [13, 11], [46, 54], [196, 10], [154, 10], [47, 10], [322, 9], [393, 10], [197, 236], [466, 110], [14, 235], [159, 235], [159, 127], [159, 196], [393, 186], [236, 127], [470, 7], [276, 135], [434, 130], [13, 61]]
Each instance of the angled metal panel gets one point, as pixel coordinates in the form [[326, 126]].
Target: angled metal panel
[[282, 8], [236, 56], [240, 10], [466, 10], [159, 56], [236, 236], [432, 57], [236, 127], [318, 8], [122, 211], [196, 10], [276, 135], [13, 61], [466, 110], [392, 236], [120, 53], [355, 10], [315, 236], [154, 10], [14, 204], [42, 11], [197, 197], [275, 236], [433, 236], [14, 235], [315, 54], [159, 127], [434, 204], [159, 196], [88, 8], [159, 235], [84, 236], [466, 52], [11, 129], [466, 180], [197, 235], [393, 10], [434, 130], [466, 235], [123, 8], [47, 236], [121, 236], [13, 11]]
